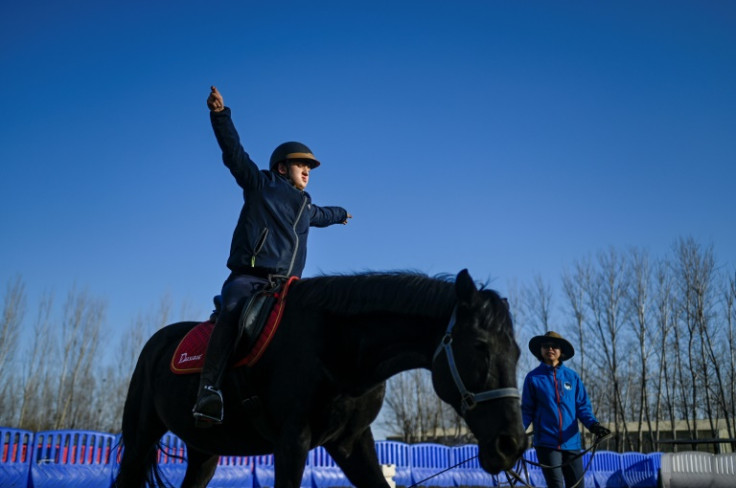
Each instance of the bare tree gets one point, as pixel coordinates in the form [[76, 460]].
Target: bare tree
[[39, 371], [14, 307], [523, 326], [401, 416], [695, 268], [538, 303], [685, 268], [605, 301], [664, 317], [118, 375], [639, 301], [414, 413], [536, 308], [680, 387], [730, 318], [574, 285], [80, 339]]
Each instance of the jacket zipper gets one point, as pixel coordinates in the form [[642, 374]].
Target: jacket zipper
[[559, 411], [296, 236], [259, 245]]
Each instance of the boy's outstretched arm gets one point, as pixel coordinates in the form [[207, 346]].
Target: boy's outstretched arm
[[325, 216]]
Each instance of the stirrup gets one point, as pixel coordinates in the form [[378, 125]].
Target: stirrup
[[202, 419]]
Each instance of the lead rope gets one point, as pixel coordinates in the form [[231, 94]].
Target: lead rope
[[440, 472], [511, 474], [592, 449]]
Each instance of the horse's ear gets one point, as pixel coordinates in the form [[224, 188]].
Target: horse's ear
[[465, 286]]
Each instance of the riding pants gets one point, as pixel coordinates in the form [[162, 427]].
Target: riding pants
[[568, 465], [236, 292]]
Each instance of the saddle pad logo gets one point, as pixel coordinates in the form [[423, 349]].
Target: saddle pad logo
[[189, 355]]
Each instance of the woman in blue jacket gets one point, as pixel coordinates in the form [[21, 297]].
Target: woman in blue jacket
[[554, 399]]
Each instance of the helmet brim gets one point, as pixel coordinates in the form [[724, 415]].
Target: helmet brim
[[292, 157]]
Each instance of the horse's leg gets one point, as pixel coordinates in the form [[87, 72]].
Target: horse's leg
[[359, 462], [142, 429], [140, 442], [200, 468], [290, 457], [135, 466]]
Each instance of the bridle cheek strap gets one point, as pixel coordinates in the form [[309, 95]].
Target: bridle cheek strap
[[469, 400]]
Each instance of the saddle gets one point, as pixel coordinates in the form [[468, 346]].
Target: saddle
[[258, 323]]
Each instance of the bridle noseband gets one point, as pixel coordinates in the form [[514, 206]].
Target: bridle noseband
[[469, 400]]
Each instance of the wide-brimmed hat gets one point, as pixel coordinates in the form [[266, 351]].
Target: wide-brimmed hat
[[535, 345]]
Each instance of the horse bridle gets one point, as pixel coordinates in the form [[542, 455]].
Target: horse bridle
[[469, 400]]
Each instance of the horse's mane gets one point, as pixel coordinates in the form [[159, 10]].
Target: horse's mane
[[407, 292]]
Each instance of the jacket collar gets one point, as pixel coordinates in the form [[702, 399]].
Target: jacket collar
[[547, 367]]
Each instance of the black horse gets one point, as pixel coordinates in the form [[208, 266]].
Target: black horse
[[322, 379]]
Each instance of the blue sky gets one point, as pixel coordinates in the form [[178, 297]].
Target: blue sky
[[510, 138]]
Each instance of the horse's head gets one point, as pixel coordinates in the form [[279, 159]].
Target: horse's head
[[474, 370]]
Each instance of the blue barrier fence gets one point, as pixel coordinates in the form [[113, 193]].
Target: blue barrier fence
[[71, 458], [467, 471], [87, 459], [398, 454], [640, 470], [233, 472], [15, 457], [430, 464]]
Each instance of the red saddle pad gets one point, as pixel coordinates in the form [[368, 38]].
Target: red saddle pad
[[189, 355]]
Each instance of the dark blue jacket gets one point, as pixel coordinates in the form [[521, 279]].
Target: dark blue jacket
[[271, 234], [554, 399]]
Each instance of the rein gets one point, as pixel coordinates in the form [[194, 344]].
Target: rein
[[511, 474], [592, 449], [469, 400]]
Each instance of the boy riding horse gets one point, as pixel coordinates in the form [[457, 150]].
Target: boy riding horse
[[270, 240]]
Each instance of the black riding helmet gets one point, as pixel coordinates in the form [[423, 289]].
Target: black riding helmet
[[293, 150]]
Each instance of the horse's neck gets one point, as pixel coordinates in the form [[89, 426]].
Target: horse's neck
[[377, 325], [391, 345]]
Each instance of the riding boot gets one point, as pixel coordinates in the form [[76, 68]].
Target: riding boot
[[209, 409]]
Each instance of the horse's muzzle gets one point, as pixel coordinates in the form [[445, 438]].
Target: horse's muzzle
[[502, 453]]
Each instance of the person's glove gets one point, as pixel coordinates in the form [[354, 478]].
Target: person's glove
[[598, 430]]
